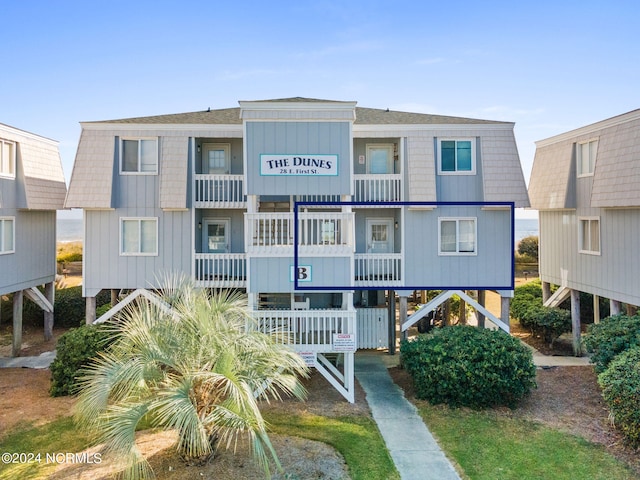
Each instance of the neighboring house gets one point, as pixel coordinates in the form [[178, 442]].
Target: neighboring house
[[585, 183], [399, 202], [32, 188]]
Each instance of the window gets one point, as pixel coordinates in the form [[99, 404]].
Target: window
[[139, 156], [589, 235], [7, 159], [7, 235], [586, 157], [456, 157], [138, 236], [457, 236], [380, 158]]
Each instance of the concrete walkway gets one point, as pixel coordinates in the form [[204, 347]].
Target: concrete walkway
[[413, 449], [41, 361]]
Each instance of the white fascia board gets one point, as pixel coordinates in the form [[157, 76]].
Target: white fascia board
[[23, 133], [424, 127], [250, 105], [205, 128], [588, 129]]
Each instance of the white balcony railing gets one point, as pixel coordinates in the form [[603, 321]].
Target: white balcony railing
[[306, 330], [378, 188], [221, 270], [221, 191], [318, 232], [378, 269], [316, 198]]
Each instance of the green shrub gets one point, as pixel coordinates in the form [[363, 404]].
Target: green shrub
[[526, 307], [612, 336], [73, 351], [620, 384], [548, 323], [70, 306], [469, 366], [533, 288]]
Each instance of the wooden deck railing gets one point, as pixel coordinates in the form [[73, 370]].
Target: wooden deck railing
[[378, 269], [308, 330], [221, 270], [318, 232], [220, 191], [378, 188]]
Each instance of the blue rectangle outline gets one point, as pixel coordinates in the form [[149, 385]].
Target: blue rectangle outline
[[337, 174], [297, 204]]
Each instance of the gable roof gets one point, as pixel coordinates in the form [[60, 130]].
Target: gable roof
[[364, 116]]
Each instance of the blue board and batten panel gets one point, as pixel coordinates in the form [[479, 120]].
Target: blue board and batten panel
[[491, 268], [33, 261], [273, 274], [134, 196], [298, 138]]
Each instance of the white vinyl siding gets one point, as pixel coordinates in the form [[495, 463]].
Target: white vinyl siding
[[589, 235], [456, 157], [7, 159], [139, 156], [586, 157], [457, 236], [7, 235], [138, 236]]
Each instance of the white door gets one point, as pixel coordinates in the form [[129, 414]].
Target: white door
[[216, 236], [380, 235], [380, 159], [215, 158]]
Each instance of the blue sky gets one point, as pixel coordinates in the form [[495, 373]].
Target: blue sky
[[548, 66]]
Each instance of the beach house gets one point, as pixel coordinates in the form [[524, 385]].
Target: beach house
[[322, 211], [32, 188], [585, 184]]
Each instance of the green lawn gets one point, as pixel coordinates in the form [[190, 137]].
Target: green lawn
[[491, 447], [356, 438], [484, 444]]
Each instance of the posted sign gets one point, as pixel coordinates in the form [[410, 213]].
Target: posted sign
[[306, 164], [344, 342]]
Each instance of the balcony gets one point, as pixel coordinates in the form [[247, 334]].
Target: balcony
[[378, 188], [319, 233], [219, 191], [306, 330], [220, 270], [378, 269]]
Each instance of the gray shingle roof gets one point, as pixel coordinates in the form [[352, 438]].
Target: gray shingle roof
[[364, 116]]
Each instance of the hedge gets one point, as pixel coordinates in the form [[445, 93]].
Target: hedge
[[620, 384], [469, 366], [73, 351], [611, 337]]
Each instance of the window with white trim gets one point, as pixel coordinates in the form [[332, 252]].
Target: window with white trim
[[7, 158], [457, 236], [456, 156], [7, 235], [586, 157], [139, 156], [139, 236], [589, 235]]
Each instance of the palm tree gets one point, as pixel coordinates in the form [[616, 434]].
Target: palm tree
[[196, 367]]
